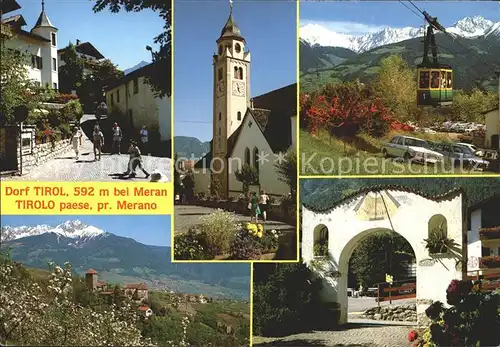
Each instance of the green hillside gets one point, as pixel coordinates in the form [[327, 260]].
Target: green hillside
[[188, 147], [314, 58], [471, 69]]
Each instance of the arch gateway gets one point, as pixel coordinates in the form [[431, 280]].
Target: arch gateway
[[412, 214]]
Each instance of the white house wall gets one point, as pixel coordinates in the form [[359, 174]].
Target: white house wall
[[30, 47], [164, 106], [48, 52], [474, 242], [146, 109], [492, 121], [410, 220], [251, 137]]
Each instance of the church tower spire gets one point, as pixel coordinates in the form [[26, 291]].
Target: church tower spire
[[231, 93], [43, 19]]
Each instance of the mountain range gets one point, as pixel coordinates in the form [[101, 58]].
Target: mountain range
[[329, 57], [188, 147], [120, 259], [136, 67]]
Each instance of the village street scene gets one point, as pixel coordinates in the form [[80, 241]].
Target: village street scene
[[235, 158], [75, 106], [387, 262], [412, 92]]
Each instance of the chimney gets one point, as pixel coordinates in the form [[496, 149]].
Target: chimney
[[77, 42], [251, 103]]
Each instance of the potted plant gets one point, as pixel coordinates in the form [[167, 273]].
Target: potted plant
[[438, 242]]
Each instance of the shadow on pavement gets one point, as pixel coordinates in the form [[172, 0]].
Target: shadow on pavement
[[194, 214]]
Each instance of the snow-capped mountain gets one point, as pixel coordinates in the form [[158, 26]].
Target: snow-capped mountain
[[135, 67], [73, 229], [316, 34]]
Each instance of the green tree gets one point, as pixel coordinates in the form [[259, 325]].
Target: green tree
[[379, 254], [160, 77], [248, 175], [285, 300], [71, 73], [215, 186], [469, 107], [396, 85], [287, 170], [16, 87]]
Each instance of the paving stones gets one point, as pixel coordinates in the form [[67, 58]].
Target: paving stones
[[65, 167]]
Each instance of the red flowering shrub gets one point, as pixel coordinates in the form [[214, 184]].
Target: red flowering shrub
[[63, 98], [344, 110], [412, 336]]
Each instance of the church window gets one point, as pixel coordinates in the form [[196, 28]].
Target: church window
[[247, 156], [256, 158], [241, 73], [239, 115], [219, 75], [118, 95], [53, 39], [220, 116], [219, 132], [236, 73], [54, 86], [436, 233], [112, 99], [237, 48], [54, 64], [320, 241]]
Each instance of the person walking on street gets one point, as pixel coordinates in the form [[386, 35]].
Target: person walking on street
[[76, 140], [263, 200], [254, 210], [144, 140], [98, 139], [135, 161], [117, 139]]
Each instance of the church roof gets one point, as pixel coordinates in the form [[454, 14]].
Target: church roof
[[272, 112], [43, 19], [230, 29]]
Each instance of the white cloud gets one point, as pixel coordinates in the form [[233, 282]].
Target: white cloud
[[346, 27]]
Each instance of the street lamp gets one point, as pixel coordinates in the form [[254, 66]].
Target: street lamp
[[149, 48]]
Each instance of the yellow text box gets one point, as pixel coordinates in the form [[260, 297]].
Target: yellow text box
[[86, 198]]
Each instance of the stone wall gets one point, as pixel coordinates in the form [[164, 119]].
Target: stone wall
[[407, 313], [41, 153]]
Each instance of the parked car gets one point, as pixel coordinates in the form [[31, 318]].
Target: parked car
[[493, 158], [477, 151], [462, 156], [411, 148]]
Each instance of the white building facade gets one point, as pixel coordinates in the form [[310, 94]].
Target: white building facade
[[40, 44]]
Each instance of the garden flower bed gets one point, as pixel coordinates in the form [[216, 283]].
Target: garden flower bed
[[490, 233], [220, 237]]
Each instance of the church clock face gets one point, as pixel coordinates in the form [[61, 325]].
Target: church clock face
[[238, 88], [220, 89]]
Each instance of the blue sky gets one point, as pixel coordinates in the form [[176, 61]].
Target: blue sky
[[359, 18], [270, 31], [121, 37], [149, 230]]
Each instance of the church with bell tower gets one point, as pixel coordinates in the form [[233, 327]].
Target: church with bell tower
[[244, 125]]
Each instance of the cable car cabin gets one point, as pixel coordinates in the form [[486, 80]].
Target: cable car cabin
[[435, 86]]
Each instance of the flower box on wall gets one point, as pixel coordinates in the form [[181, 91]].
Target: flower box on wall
[[489, 233], [492, 261]]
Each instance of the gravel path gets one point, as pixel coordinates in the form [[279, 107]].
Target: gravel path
[[360, 333], [67, 168]]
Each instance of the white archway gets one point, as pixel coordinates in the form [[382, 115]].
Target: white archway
[[387, 208]]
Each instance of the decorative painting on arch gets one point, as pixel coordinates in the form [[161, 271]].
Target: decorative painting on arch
[[390, 253], [380, 94], [235, 131]]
